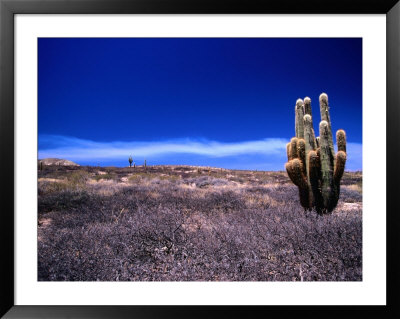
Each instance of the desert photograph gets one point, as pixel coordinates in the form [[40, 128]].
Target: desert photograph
[[199, 159]]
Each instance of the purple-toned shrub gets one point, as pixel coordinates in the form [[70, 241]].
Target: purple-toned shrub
[[172, 232]]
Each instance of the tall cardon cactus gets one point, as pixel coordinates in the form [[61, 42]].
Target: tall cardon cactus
[[312, 163]]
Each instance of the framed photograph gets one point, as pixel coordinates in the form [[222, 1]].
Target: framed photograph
[[160, 154]]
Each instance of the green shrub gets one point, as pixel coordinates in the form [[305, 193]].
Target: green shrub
[[104, 176], [77, 179]]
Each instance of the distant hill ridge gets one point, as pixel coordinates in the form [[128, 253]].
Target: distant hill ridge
[[57, 161]]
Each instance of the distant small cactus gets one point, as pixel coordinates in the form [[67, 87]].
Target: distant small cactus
[[312, 164], [130, 161]]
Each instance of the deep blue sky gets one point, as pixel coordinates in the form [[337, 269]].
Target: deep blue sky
[[151, 91]]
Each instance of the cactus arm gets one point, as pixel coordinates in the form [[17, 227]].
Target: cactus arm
[[288, 151], [293, 148], [301, 152], [339, 166], [324, 109], [341, 140], [340, 162], [307, 106], [299, 118], [341, 156], [293, 175], [294, 169]]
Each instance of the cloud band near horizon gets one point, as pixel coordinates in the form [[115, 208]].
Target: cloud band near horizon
[[268, 153]]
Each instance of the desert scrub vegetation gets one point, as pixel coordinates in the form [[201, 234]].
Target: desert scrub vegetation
[[140, 176], [105, 176], [174, 224]]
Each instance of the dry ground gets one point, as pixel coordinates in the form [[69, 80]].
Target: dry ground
[[182, 223]]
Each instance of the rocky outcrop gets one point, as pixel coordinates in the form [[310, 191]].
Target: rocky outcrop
[[57, 161]]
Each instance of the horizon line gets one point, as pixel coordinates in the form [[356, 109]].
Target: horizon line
[[260, 154]]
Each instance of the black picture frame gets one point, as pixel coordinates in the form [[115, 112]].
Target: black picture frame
[[8, 8]]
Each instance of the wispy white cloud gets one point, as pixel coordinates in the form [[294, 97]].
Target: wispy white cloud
[[269, 153], [74, 148]]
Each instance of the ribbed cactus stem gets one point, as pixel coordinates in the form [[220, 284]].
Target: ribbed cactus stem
[[341, 140], [339, 166], [307, 106], [294, 169], [325, 116], [299, 124], [317, 142], [327, 162], [324, 108], [314, 179], [309, 146], [301, 153], [307, 110], [309, 134], [293, 148]]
